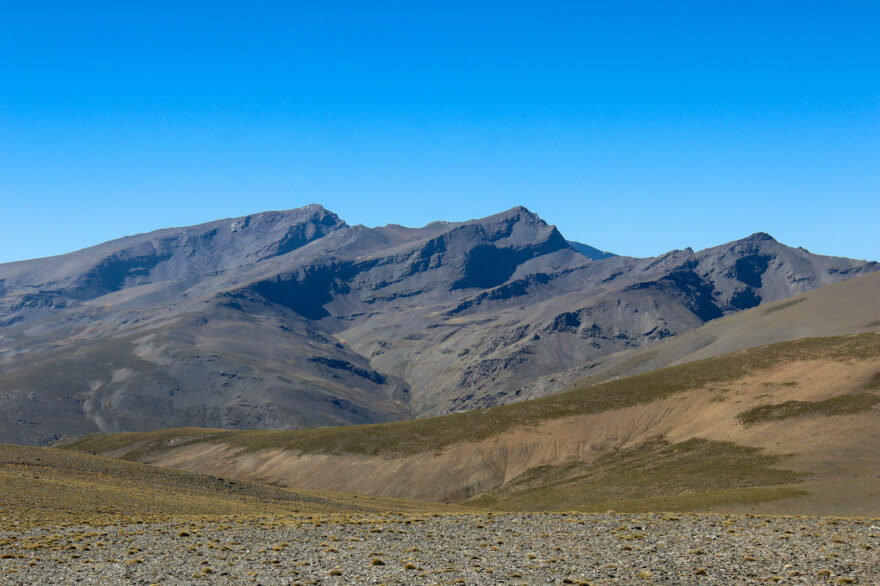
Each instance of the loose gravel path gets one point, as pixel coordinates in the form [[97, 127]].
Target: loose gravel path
[[452, 549]]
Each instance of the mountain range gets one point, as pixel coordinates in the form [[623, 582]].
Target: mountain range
[[771, 410], [284, 320]]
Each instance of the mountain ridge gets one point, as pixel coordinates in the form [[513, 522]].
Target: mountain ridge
[[296, 319]]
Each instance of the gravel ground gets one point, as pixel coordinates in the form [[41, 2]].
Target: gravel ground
[[449, 549]]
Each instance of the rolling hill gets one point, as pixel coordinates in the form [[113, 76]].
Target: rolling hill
[[45, 486]]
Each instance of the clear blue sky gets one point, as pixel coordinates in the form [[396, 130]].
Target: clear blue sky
[[635, 127]]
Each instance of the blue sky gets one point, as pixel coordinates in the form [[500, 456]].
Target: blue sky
[[637, 127]]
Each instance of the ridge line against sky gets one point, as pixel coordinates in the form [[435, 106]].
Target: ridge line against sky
[[635, 127]]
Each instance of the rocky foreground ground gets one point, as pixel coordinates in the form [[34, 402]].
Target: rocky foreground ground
[[451, 549]]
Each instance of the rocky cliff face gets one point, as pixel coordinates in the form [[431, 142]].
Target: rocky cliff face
[[292, 319]]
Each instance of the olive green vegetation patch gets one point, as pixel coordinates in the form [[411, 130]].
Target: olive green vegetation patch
[[655, 475], [437, 433], [699, 501], [785, 305], [843, 405]]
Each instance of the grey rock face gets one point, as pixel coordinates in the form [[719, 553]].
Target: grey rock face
[[293, 319]]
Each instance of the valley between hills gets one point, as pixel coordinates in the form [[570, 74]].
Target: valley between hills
[[283, 398]]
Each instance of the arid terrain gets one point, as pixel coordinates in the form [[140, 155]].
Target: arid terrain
[[399, 548], [71, 518], [780, 428], [582, 443]]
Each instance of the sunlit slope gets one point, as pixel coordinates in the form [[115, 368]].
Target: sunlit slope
[[45, 485], [790, 413], [850, 307]]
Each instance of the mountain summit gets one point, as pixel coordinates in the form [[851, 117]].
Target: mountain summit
[[296, 319], [33, 287]]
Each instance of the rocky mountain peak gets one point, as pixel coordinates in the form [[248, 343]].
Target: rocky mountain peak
[[516, 214], [515, 228], [760, 236]]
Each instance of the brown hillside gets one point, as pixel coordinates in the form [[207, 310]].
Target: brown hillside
[[690, 430], [41, 486]]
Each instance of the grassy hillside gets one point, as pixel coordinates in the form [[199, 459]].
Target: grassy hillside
[[44, 485], [743, 428], [683, 476], [438, 433]]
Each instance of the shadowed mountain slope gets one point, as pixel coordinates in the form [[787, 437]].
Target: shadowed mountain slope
[[294, 319]]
